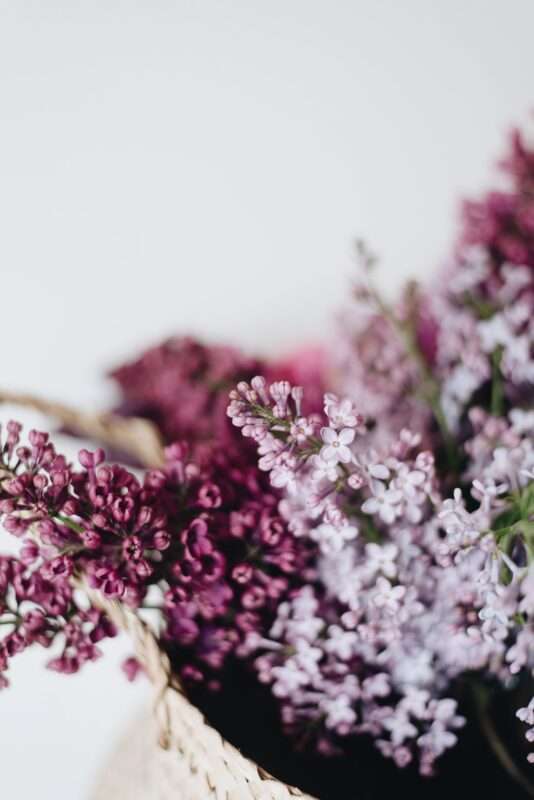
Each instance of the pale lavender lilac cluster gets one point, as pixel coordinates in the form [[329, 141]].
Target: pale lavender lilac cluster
[[423, 513], [412, 590]]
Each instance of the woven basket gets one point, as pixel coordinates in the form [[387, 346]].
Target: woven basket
[[175, 755]]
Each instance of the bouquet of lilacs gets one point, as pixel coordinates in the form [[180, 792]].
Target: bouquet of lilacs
[[360, 538]]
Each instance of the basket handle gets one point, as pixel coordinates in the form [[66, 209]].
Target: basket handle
[[134, 435]]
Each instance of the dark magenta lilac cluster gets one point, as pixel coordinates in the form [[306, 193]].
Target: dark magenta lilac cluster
[[182, 385], [209, 537]]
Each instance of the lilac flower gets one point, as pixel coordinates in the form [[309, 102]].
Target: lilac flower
[[332, 539], [341, 414], [283, 473], [207, 539], [400, 728], [492, 614], [384, 502], [181, 385], [323, 469], [382, 558], [387, 596], [422, 602], [408, 481], [336, 444]]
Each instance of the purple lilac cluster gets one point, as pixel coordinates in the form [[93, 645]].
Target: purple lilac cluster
[[37, 601], [182, 385], [237, 559], [503, 222], [207, 541], [37, 607]]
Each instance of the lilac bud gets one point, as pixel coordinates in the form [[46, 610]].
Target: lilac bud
[[242, 573], [91, 539], [297, 393], [258, 384], [86, 459], [253, 598], [131, 668], [209, 496], [161, 540], [38, 438]]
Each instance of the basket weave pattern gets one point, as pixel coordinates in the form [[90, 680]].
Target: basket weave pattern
[[182, 757]]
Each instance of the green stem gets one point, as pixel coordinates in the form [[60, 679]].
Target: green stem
[[529, 547], [369, 530], [448, 441], [497, 397], [431, 387], [480, 698], [69, 523]]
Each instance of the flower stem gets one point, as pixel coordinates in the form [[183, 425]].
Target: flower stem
[[69, 523], [431, 388], [481, 703], [497, 383]]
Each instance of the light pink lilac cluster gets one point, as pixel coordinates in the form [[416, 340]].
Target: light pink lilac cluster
[[486, 346]]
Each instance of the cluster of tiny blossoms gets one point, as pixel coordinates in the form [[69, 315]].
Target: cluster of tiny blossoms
[[182, 386], [503, 221], [456, 363], [372, 561], [207, 541], [486, 348], [411, 591], [468, 339]]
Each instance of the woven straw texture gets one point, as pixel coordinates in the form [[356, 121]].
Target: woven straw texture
[[139, 769], [176, 754], [181, 755]]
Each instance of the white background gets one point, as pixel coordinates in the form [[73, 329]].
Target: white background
[[204, 167]]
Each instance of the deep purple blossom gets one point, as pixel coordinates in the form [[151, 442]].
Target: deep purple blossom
[[503, 221], [209, 538], [182, 386]]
